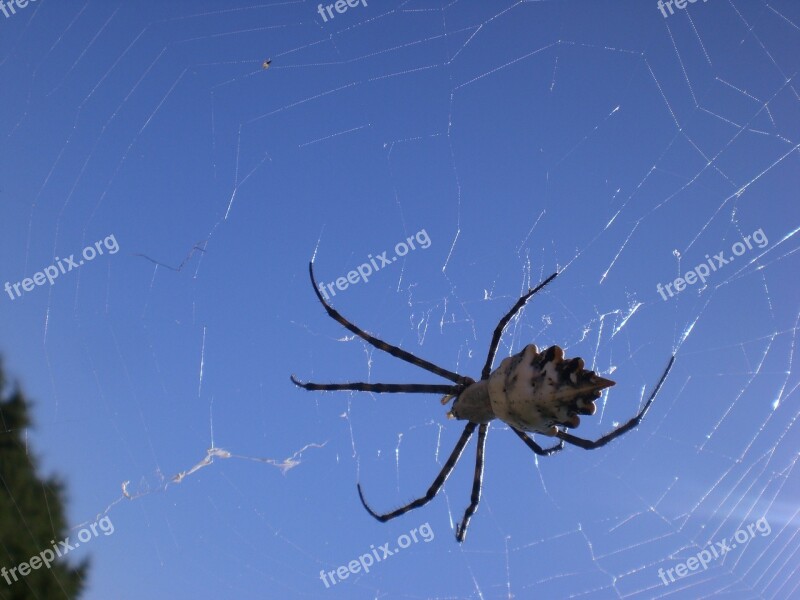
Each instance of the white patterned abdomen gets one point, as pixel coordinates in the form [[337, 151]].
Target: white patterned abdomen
[[535, 391]]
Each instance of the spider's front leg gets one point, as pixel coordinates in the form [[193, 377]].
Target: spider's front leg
[[379, 343], [477, 485], [437, 484], [378, 388]]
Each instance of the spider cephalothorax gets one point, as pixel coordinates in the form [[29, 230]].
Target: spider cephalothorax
[[532, 391]]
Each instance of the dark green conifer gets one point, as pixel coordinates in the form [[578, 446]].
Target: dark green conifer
[[31, 512]]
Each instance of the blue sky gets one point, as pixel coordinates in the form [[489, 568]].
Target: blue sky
[[604, 140]]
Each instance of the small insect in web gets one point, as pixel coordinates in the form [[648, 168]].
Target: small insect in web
[[532, 392]]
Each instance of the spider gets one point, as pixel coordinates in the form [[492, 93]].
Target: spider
[[532, 392]]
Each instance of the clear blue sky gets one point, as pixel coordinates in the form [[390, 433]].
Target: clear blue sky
[[602, 139]]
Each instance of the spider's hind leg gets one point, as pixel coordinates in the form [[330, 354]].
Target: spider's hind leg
[[537, 449], [622, 429]]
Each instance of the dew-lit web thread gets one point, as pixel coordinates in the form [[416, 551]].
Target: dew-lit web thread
[[780, 582], [728, 523], [624, 315]]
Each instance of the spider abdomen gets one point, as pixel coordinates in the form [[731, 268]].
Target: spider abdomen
[[536, 391]]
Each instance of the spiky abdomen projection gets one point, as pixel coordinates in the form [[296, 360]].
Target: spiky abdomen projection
[[535, 391]]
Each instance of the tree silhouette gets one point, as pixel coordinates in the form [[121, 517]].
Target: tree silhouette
[[31, 513]]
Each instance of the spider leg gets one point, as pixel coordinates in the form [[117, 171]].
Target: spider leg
[[477, 482], [380, 388], [380, 344], [537, 449], [498, 332], [435, 486], [592, 444]]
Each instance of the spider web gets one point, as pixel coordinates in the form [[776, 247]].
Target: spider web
[[618, 146]]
